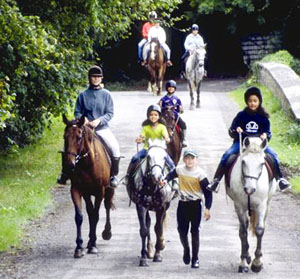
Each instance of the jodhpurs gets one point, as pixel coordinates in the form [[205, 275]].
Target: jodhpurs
[[110, 141]]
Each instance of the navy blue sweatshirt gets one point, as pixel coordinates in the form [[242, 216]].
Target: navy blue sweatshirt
[[252, 123]]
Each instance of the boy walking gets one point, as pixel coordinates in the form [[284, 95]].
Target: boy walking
[[192, 190]]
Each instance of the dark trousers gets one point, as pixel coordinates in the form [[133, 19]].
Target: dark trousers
[[181, 124], [189, 212]]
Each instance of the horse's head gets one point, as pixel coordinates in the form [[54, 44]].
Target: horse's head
[[156, 159], [74, 141], [168, 116], [154, 46], [200, 55], [253, 160]]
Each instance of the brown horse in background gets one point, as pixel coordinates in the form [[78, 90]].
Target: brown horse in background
[[157, 66], [175, 146], [87, 164]]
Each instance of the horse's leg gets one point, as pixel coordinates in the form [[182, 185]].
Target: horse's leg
[[150, 252], [257, 263], [159, 82], [160, 245], [243, 233], [109, 193], [198, 94], [76, 198], [93, 214], [192, 104], [149, 88], [142, 211]]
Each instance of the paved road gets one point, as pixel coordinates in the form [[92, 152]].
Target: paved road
[[51, 255]]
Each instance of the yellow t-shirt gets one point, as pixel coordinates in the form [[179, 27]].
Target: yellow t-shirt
[[150, 132]]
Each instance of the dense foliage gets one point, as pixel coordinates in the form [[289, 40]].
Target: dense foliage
[[46, 47]]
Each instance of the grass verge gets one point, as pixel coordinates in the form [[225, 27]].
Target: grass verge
[[285, 133], [26, 178]]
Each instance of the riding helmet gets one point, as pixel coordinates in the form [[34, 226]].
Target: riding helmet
[[253, 90], [195, 27], [95, 71], [152, 15], [153, 108], [170, 83]]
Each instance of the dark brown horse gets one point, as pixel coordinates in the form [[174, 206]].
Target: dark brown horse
[[157, 66], [175, 146], [88, 166]]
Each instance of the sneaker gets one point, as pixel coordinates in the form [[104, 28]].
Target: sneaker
[[113, 182], [169, 63], [144, 63], [213, 186], [283, 184], [195, 264], [182, 75], [184, 143], [186, 256]]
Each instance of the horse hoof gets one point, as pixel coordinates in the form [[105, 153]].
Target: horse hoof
[[192, 107], [198, 105], [143, 262], [157, 259], [106, 235], [79, 253], [256, 268], [243, 269], [93, 250]]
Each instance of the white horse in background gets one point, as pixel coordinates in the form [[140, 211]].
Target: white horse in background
[[251, 190], [194, 73]]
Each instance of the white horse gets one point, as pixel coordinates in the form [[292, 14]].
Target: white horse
[[145, 191], [194, 73], [251, 191]]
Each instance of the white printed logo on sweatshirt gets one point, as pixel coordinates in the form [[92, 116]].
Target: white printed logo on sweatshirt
[[251, 127]]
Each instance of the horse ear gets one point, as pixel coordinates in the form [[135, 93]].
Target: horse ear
[[246, 141], [81, 121], [65, 119], [264, 144]]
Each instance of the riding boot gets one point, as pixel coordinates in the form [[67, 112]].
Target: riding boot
[[282, 182], [183, 135], [114, 171], [186, 248], [213, 186], [195, 250], [62, 179]]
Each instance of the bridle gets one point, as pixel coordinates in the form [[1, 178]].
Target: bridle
[[79, 155]]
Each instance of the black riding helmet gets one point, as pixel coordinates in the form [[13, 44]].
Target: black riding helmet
[[171, 83], [253, 90], [95, 71], [153, 108]]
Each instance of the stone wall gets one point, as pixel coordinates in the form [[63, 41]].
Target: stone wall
[[284, 83]]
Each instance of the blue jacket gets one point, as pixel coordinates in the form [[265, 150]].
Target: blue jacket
[[94, 104], [171, 101], [252, 123]]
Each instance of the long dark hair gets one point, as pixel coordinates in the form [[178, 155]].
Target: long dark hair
[[260, 110]]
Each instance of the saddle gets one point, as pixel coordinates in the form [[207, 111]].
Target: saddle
[[106, 149], [269, 163]]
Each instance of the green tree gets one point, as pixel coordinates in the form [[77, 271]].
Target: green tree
[[46, 47]]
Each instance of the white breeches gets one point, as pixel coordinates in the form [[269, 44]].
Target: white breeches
[[110, 141]]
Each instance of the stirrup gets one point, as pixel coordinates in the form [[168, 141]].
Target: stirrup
[[113, 183], [283, 184]]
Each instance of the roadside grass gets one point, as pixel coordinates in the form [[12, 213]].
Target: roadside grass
[[285, 133], [26, 178]]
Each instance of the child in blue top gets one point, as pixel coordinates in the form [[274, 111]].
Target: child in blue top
[[170, 100], [252, 121]]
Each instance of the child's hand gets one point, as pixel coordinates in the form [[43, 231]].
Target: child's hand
[[239, 130], [139, 139], [263, 136], [163, 182], [206, 214], [167, 139]]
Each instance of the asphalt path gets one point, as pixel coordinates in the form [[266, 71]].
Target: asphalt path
[[50, 242]]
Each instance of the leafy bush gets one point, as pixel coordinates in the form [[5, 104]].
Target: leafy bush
[[281, 56]]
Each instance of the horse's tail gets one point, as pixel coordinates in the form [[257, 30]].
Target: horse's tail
[[253, 222], [108, 198]]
